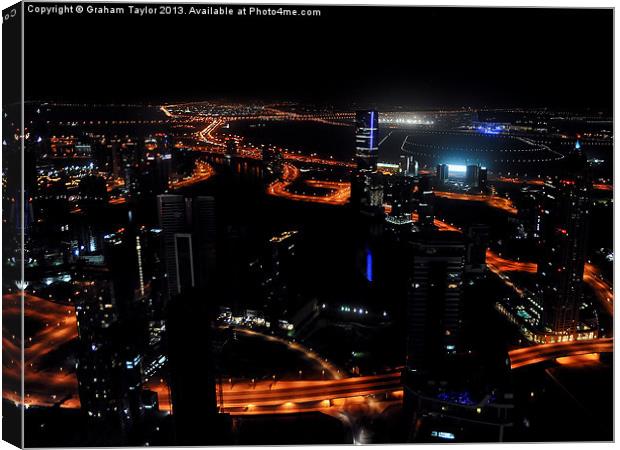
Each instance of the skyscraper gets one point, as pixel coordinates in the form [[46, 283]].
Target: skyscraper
[[442, 173], [483, 179], [426, 202], [366, 139], [472, 175], [434, 297], [172, 220], [205, 238], [408, 166], [189, 240], [566, 207]]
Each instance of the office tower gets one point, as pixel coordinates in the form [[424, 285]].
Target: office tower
[[366, 139], [109, 387], [472, 175], [367, 191], [189, 238], [204, 228], [477, 236], [566, 207], [173, 222], [426, 202], [275, 271], [442, 173], [400, 196], [408, 166], [434, 297], [482, 179], [184, 261]]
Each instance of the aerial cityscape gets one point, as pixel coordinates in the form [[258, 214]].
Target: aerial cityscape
[[247, 264]]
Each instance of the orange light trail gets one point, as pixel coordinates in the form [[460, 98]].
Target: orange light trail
[[545, 352], [502, 203], [202, 172], [42, 386], [339, 192]]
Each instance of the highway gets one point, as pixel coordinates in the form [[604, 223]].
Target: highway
[[269, 397], [526, 356], [493, 201], [57, 326], [339, 192]]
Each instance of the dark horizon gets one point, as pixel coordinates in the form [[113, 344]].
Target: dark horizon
[[424, 58]]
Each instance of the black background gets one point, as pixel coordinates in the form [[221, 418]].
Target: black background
[[410, 56]]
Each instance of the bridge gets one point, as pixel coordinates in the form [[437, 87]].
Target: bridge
[[539, 353], [278, 397]]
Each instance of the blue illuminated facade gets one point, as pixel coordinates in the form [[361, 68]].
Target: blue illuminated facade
[[369, 265], [366, 139]]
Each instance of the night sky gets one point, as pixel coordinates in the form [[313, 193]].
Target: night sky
[[388, 56]]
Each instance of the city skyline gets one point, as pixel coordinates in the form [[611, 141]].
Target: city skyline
[[334, 249]]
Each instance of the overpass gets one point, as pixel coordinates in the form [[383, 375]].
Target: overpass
[[278, 397], [539, 353]]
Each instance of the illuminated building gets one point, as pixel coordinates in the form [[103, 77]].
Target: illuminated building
[[172, 221], [408, 166], [367, 191], [108, 367], [426, 202], [442, 173], [483, 178], [434, 297], [400, 195], [273, 271], [366, 139], [205, 238], [472, 175], [566, 207], [189, 239]]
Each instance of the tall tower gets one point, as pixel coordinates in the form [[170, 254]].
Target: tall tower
[[205, 238], [434, 297], [442, 173], [173, 223], [366, 139], [566, 208]]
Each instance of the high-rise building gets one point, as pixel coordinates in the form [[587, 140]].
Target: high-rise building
[[472, 175], [483, 179], [366, 139], [367, 191], [434, 297], [566, 207], [189, 240], [204, 228], [400, 196], [426, 202], [408, 166], [442, 173], [108, 366], [172, 221]]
